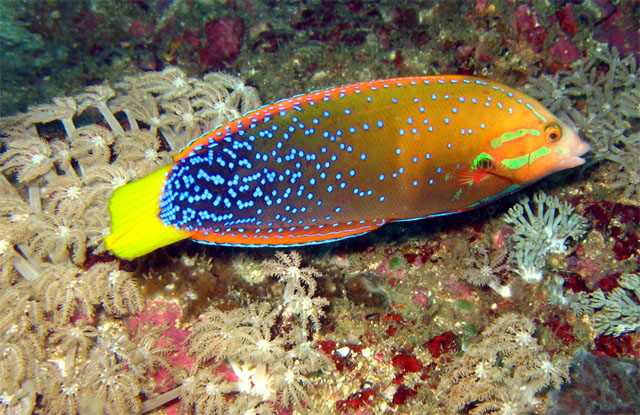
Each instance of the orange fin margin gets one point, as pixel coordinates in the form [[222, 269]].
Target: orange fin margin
[[286, 236]]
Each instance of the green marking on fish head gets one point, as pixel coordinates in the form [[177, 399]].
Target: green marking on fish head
[[513, 135], [516, 162], [540, 152], [526, 159]]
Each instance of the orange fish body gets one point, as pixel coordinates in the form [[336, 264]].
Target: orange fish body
[[340, 162]]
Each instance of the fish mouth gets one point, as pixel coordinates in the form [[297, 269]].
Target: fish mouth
[[577, 147], [583, 147], [573, 159], [571, 162]]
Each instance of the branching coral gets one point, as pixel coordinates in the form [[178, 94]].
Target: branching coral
[[23, 329], [75, 340], [97, 96], [503, 373], [68, 195], [14, 218], [143, 354], [64, 291], [21, 313], [61, 394], [62, 109], [21, 400], [205, 393], [183, 115], [13, 365], [551, 225], [529, 259], [59, 164], [268, 362], [299, 288], [167, 85], [541, 230], [58, 238], [616, 312], [242, 96], [484, 271], [120, 294], [292, 384], [116, 390], [287, 269], [628, 158], [96, 158], [91, 145], [31, 157], [141, 150], [220, 335]]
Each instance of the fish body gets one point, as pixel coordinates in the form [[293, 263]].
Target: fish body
[[343, 161]]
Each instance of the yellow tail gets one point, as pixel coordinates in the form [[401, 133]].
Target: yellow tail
[[136, 228]]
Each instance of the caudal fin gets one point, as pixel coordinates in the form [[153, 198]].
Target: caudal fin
[[136, 228]]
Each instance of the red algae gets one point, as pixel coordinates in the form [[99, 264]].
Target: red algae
[[611, 346], [626, 245], [619, 221], [224, 37], [563, 54], [393, 317], [527, 24], [416, 260], [403, 394], [342, 360], [567, 20], [443, 344], [560, 328], [575, 282], [609, 282], [356, 400], [619, 27], [406, 362]]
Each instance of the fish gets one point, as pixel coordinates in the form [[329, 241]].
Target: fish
[[344, 161]]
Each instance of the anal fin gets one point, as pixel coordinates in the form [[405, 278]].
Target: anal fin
[[286, 235]]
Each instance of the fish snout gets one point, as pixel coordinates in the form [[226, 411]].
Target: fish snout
[[576, 147]]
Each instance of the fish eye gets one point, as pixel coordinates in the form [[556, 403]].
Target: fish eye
[[553, 133]]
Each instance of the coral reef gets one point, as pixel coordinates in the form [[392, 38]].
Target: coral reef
[[613, 313], [63, 336], [540, 233], [486, 271], [293, 46], [551, 225], [537, 232], [262, 353], [503, 373]]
